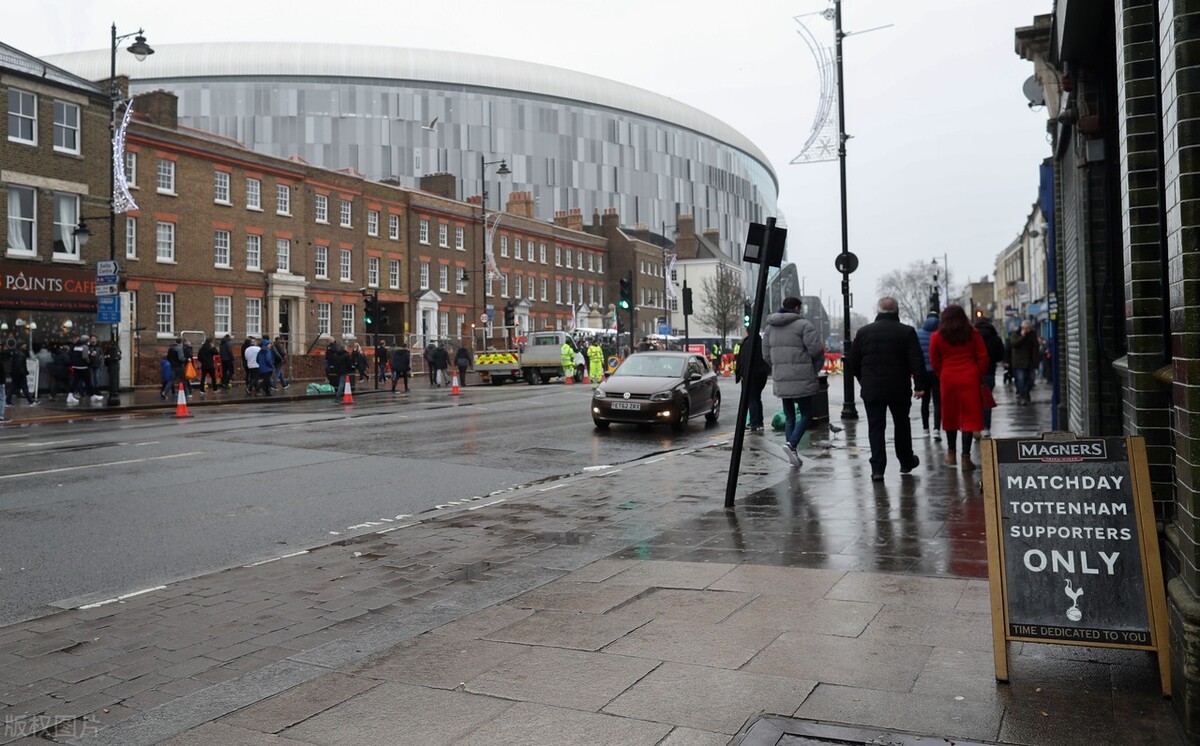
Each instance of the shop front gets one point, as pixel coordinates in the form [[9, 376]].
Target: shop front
[[43, 305]]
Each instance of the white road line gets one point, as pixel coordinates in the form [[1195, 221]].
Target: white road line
[[655, 460], [276, 559], [39, 443], [560, 485], [493, 502], [123, 597], [93, 466]]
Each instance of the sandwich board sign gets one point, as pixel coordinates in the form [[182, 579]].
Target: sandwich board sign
[[1072, 547]]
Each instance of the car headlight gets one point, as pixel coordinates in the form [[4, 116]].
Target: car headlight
[[599, 394], [663, 396]]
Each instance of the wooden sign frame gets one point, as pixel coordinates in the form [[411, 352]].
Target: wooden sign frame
[[1147, 541]]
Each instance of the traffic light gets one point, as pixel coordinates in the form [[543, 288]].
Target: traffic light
[[381, 314], [747, 313], [626, 295], [687, 302], [370, 310], [510, 314]]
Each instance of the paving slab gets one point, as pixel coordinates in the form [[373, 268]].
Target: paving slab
[[400, 713], [564, 629], [830, 617], [298, 704], [539, 725], [563, 595], [941, 716], [917, 625], [749, 578], [652, 573], [702, 607], [718, 645], [712, 699], [436, 661], [694, 737], [842, 660], [210, 734], [906, 590], [563, 678]]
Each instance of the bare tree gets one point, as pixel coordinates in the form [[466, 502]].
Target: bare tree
[[723, 301], [913, 287]]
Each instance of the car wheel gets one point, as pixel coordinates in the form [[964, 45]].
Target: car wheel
[[712, 417], [681, 420], [600, 424], [534, 376]]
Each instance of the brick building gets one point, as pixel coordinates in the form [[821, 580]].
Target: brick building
[[53, 157]]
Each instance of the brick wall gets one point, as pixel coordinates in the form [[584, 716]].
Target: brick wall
[[1146, 400]]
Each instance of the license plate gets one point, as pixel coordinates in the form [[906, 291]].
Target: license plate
[[630, 405]]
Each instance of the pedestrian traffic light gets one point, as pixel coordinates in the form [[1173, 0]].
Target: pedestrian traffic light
[[370, 310], [510, 314], [687, 302], [626, 296], [747, 313], [381, 314]]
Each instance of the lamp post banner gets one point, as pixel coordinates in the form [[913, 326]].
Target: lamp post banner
[[122, 200]]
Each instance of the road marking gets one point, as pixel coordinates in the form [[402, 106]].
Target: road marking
[[122, 598], [276, 559], [655, 460], [553, 487], [494, 502], [94, 466], [36, 444]]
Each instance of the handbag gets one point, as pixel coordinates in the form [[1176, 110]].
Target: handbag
[[190, 371], [989, 401]]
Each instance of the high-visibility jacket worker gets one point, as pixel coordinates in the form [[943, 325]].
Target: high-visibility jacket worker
[[567, 355], [596, 364]]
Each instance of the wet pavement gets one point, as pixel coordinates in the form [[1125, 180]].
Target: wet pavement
[[618, 605]]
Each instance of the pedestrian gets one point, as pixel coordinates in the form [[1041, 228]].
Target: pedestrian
[[401, 365], [111, 351], [337, 367], [189, 364], [429, 348], [226, 352], [596, 362], [266, 366], [792, 347], [19, 375], [580, 365], [885, 357], [1024, 347], [208, 365], [165, 374], [933, 392], [358, 361], [995, 349], [462, 360], [566, 356], [441, 364], [279, 354], [245, 346], [177, 356], [60, 371], [251, 358], [751, 370], [382, 355], [959, 359], [81, 379], [94, 363]]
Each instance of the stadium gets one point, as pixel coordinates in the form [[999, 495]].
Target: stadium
[[573, 140]]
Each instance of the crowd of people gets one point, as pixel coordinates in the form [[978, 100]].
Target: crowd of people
[[949, 364], [76, 369]]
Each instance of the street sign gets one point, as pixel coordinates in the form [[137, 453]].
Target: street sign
[[108, 309], [106, 279], [106, 267], [484, 317], [106, 290]]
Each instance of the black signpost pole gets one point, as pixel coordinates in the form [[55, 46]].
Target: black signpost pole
[[764, 246]]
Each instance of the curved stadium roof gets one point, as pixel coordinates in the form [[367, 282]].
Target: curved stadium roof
[[291, 59]]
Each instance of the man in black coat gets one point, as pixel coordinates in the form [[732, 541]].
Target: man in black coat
[[226, 352], [441, 363], [337, 367], [886, 359], [753, 371]]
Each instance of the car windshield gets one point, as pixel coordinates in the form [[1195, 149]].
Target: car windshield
[[653, 366]]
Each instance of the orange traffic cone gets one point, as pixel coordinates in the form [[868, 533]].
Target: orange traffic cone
[[727, 370], [181, 409], [586, 378], [454, 390], [347, 395], [568, 378]]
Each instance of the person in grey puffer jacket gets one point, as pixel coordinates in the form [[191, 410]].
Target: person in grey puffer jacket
[[793, 349]]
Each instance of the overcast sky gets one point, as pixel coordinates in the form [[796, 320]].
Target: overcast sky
[[944, 155]]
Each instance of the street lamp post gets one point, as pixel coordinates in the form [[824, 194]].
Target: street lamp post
[[483, 218]]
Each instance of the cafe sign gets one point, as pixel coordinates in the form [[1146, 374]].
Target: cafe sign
[[46, 286]]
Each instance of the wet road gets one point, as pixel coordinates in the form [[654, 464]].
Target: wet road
[[94, 509]]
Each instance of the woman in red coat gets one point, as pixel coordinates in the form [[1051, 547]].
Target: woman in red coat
[[959, 358]]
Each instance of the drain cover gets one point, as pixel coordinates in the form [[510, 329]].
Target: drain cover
[[780, 731]]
